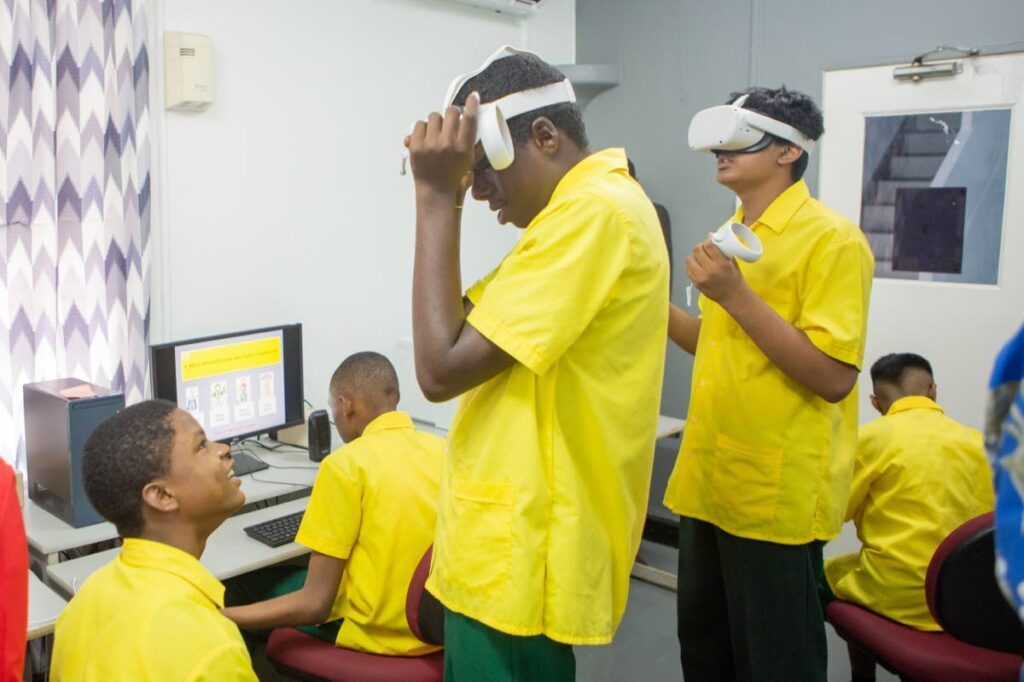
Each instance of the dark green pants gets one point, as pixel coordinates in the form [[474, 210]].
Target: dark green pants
[[474, 652], [274, 581], [748, 610]]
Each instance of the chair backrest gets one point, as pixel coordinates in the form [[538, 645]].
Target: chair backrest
[[422, 610], [962, 592]]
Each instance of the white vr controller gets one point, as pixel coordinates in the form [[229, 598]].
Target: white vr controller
[[492, 128], [736, 240]]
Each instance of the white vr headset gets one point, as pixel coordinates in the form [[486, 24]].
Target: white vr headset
[[492, 129], [731, 128]]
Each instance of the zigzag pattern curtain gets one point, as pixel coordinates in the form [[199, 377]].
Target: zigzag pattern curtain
[[74, 199]]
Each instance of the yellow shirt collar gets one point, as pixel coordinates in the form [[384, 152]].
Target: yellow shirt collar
[[598, 163], [782, 209], [140, 553], [389, 421], [913, 402]]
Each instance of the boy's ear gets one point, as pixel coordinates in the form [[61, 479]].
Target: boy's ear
[[933, 391], [348, 405], [545, 135], [156, 496], [790, 154], [876, 404]]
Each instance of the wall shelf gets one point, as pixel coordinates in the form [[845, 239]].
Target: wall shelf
[[590, 80]]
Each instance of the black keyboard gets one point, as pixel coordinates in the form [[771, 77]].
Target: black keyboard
[[276, 532]]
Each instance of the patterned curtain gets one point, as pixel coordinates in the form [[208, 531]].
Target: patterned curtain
[[74, 199]]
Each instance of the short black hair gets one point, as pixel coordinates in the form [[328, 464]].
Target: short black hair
[[519, 72], [369, 375], [123, 453], [891, 367], [790, 107]]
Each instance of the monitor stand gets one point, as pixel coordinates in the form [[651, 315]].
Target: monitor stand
[[247, 464]]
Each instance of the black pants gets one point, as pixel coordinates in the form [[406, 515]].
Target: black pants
[[748, 610]]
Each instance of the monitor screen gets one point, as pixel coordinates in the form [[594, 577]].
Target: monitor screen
[[235, 385]]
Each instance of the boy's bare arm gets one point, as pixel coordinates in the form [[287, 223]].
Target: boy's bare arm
[[309, 605], [451, 356], [718, 278], [683, 328]]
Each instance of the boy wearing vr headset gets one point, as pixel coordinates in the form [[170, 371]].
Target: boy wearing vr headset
[[764, 469], [544, 493]]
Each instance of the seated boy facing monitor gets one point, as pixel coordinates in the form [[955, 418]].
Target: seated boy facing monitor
[[370, 520], [153, 613], [918, 475]]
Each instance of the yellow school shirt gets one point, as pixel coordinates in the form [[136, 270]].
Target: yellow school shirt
[[153, 613], [544, 492], [374, 503], [918, 476], [763, 457]]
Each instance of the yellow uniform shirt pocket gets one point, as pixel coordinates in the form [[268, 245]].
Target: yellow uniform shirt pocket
[[745, 482], [481, 535]]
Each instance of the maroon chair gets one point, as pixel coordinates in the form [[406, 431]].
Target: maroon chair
[[982, 637], [299, 655]]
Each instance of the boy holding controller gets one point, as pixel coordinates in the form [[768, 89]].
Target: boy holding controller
[[764, 469]]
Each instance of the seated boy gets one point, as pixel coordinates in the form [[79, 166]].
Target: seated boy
[[370, 519], [918, 475], [153, 612]]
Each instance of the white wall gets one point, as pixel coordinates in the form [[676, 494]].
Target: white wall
[[283, 202]]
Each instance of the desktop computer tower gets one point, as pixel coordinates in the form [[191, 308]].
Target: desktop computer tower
[[56, 427]]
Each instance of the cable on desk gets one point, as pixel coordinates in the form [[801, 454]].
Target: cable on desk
[[267, 480], [274, 448], [253, 453]]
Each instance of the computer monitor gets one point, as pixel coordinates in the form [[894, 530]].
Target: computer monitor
[[236, 385]]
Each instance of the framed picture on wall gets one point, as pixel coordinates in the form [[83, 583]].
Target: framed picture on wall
[[933, 190]]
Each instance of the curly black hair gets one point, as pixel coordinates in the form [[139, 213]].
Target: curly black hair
[[892, 366], [519, 72], [124, 453], [369, 375], [790, 107]]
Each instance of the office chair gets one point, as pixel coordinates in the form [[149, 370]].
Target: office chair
[[305, 657], [982, 639]]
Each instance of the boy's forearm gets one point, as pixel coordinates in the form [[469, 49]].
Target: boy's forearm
[[291, 609], [438, 312], [451, 356], [683, 328], [789, 348]]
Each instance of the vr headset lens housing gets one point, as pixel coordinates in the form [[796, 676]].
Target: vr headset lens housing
[[763, 143], [731, 128]]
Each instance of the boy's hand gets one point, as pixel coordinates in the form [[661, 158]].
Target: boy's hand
[[715, 275], [442, 150]]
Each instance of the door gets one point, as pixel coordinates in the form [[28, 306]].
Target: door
[[926, 169]]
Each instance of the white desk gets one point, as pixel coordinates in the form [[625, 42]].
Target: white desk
[[229, 551], [44, 605], [48, 535], [669, 426]]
